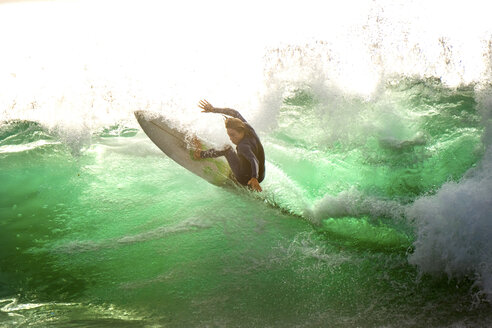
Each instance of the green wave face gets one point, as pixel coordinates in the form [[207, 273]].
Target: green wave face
[[116, 234]]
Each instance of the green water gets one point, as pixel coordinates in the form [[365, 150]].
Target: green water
[[115, 234]]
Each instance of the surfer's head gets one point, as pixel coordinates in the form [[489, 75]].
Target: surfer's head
[[235, 129]]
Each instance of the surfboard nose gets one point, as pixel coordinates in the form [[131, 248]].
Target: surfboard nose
[[142, 115], [139, 114]]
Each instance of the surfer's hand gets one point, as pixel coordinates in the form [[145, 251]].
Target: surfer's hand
[[198, 146], [206, 106], [254, 184]]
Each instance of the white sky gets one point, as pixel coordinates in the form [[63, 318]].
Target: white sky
[[53, 51]]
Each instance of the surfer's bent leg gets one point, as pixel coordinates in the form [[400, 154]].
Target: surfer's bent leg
[[240, 173], [233, 161]]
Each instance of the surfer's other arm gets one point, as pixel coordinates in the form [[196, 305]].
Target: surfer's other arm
[[208, 108]]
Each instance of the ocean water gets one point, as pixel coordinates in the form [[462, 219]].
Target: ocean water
[[376, 124]]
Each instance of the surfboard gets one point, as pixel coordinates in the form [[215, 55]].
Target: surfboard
[[176, 145]]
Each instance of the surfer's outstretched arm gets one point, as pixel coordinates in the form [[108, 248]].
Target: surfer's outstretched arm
[[208, 108], [198, 153]]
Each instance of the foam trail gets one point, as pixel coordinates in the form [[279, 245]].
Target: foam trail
[[190, 224], [282, 192], [353, 203]]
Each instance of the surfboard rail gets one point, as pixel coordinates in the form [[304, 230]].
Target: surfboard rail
[[176, 145]]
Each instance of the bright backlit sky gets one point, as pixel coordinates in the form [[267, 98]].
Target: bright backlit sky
[[67, 52]]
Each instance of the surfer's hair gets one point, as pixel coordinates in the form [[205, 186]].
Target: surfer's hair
[[235, 124]]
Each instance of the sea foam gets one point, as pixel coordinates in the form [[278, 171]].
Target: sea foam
[[454, 226]]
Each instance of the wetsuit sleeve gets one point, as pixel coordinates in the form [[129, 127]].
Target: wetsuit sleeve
[[247, 152], [212, 153], [229, 112]]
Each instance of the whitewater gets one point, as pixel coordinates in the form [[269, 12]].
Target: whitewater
[[376, 119]]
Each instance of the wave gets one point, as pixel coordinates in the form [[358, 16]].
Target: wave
[[390, 119]]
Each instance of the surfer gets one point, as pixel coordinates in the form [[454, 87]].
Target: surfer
[[248, 163]]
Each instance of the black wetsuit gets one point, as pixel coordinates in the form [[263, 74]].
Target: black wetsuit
[[249, 161]]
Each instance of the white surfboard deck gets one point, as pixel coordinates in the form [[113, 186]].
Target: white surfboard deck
[[175, 144]]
